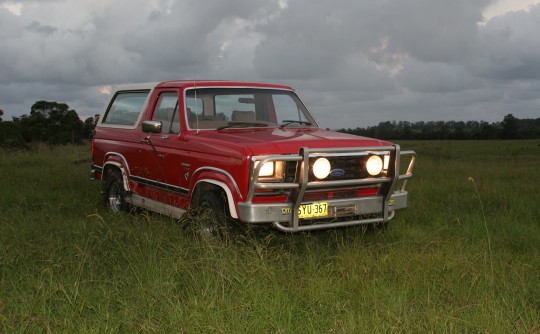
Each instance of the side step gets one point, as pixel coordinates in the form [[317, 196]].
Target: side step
[[155, 206]]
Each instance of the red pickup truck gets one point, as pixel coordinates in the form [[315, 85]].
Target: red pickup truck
[[248, 152]]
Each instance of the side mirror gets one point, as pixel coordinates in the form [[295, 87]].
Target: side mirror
[[151, 126]]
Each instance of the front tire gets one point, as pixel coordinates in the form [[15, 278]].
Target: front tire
[[213, 219]]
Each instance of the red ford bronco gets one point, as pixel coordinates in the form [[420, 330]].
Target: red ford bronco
[[249, 152]]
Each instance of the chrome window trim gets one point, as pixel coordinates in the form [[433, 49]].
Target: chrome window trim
[[241, 87], [126, 89]]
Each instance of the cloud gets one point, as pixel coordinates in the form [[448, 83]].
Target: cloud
[[502, 7], [506, 49], [13, 7], [359, 62], [437, 77]]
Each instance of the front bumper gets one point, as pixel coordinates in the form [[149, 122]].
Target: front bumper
[[341, 213], [95, 172]]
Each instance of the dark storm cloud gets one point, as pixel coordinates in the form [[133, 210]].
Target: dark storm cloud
[[437, 78], [42, 29], [353, 62], [434, 31], [315, 38], [179, 37]]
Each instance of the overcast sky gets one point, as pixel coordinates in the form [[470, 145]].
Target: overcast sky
[[353, 62]]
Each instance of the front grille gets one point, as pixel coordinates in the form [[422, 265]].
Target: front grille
[[290, 171], [347, 179], [340, 194], [350, 168]]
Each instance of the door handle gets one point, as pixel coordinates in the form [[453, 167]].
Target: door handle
[[148, 141]]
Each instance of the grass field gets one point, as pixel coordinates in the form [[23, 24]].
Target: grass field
[[464, 257]]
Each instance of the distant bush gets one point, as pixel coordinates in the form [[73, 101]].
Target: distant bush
[[509, 128], [48, 122], [10, 136]]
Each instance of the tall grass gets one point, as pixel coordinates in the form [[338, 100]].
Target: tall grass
[[464, 257]]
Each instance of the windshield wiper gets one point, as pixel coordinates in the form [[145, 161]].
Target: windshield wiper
[[242, 124], [288, 122]]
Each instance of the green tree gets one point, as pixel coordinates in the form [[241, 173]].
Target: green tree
[[89, 125], [10, 135], [51, 122], [1, 114], [386, 130], [487, 131], [510, 127]]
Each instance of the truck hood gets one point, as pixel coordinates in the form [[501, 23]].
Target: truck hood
[[267, 141]]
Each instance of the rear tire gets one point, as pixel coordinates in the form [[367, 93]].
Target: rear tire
[[114, 194]]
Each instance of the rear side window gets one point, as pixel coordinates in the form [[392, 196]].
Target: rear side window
[[125, 108]]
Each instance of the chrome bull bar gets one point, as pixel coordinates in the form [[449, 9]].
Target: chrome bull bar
[[303, 183]]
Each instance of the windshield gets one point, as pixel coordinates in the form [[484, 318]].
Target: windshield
[[220, 108]]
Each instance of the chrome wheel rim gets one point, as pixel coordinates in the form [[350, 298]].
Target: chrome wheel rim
[[115, 198]]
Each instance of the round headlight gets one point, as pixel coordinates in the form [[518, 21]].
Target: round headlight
[[374, 165], [267, 169], [321, 168]]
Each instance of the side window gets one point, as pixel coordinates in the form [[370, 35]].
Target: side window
[[167, 112], [125, 108]]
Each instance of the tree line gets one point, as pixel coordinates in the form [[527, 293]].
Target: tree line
[[509, 128], [48, 122], [56, 124]]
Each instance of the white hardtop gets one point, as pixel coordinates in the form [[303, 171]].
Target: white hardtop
[[137, 86]]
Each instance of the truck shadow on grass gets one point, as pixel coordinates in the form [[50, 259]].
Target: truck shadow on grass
[[232, 232]]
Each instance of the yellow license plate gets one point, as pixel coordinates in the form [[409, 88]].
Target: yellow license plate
[[318, 209]]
